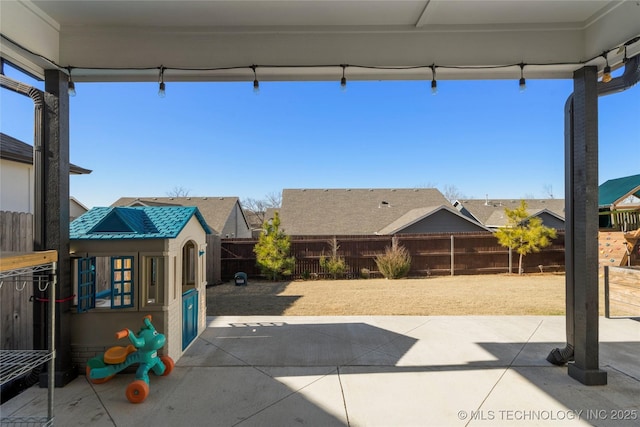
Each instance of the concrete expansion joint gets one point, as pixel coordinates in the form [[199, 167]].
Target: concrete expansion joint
[[344, 400], [626, 374]]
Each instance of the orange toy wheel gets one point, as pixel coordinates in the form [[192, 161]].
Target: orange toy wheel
[[137, 391], [168, 365], [96, 380]]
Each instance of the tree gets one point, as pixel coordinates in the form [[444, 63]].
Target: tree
[[272, 250], [178, 191], [523, 234], [451, 193], [548, 190], [258, 207], [334, 264]]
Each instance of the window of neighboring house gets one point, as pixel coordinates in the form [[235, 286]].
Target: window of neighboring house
[[153, 280], [189, 263], [121, 282], [86, 284]]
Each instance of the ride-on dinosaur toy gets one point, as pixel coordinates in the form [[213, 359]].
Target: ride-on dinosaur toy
[[143, 350]]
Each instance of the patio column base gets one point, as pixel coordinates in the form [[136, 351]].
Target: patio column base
[[588, 376]]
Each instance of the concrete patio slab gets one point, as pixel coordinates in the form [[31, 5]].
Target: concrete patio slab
[[367, 371]]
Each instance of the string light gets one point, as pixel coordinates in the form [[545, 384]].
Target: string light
[[256, 83], [606, 73], [71, 85], [343, 80], [606, 77], [522, 83], [434, 83], [161, 89]]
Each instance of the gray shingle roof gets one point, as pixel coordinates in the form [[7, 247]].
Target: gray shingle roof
[[215, 210], [350, 211], [17, 151], [491, 212]]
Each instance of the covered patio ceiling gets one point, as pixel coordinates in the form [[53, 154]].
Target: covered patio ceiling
[[311, 40], [98, 41]]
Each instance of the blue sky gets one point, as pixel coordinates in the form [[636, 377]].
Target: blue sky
[[221, 139]]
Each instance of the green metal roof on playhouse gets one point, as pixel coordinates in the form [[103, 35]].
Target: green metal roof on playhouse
[[138, 222], [615, 190]]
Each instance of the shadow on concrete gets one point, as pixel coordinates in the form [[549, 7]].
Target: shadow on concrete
[[254, 299], [282, 344], [333, 374]]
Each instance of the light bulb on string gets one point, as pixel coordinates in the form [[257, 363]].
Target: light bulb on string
[[161, 88], [522, 84], [256, 83], [343, 80], [606, 73], [434, 82], [71, 85]]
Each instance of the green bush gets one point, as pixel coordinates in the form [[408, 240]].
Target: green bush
[[365, 273], [395, 263], [334, 265], [272, 251]]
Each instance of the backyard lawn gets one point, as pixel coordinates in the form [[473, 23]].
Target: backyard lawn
[[532, 294]]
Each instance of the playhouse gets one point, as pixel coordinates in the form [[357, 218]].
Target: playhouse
[[128, 262]]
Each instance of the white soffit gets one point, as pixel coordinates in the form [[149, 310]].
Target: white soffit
[[308, 39]]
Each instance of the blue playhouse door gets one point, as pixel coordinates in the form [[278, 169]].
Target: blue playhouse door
[[189, 317]]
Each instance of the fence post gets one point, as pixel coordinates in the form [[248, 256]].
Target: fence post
[[607, 314], [452, 256], [510, 259]]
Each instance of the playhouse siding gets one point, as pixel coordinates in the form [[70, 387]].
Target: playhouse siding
[[191, 232], [94, 331]]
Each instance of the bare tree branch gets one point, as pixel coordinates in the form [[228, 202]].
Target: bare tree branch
[[178, 191]]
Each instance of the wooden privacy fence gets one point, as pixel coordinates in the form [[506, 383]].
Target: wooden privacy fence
[[431, 254], [16, 310], [621, 291]]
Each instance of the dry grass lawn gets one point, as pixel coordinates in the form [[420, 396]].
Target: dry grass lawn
[[533, 294]]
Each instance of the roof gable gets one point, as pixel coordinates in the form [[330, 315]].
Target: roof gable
[[614, 191], [350, 211], [491, 212], [419, 214], [215, 210], [134, 223], [123, 220]]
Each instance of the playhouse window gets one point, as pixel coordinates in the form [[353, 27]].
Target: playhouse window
[[122, 282], [189, 262], [107, 282], [153, 280], [86, 284]]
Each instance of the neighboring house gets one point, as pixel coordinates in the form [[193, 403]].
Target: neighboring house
[[76, 208], [132, 261], [17, 175], [491, 213], [223, 214], [370, 211], [255, 220], [619, 203]]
